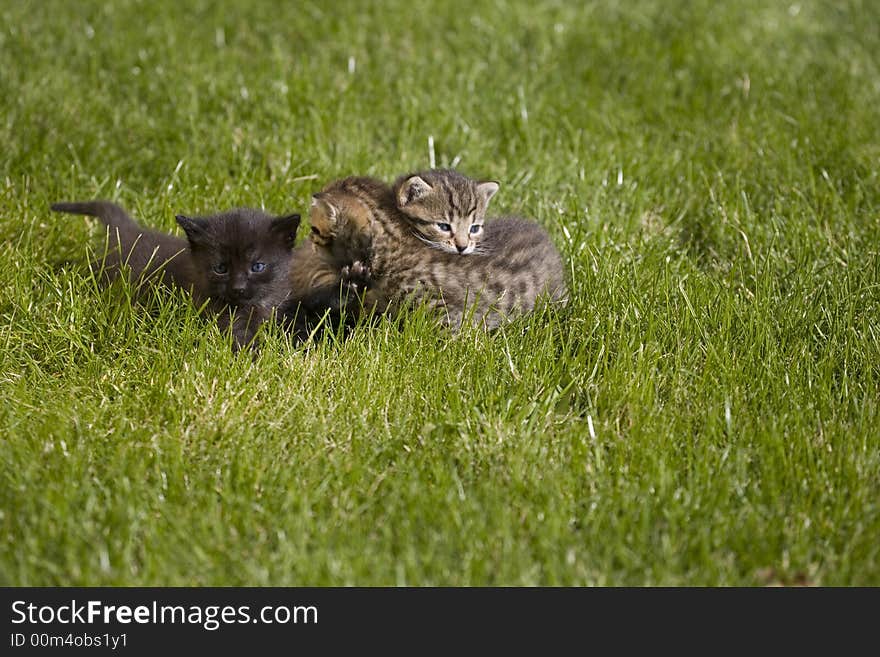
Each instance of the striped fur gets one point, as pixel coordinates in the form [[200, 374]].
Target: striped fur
[[357, 220], [445, 209]]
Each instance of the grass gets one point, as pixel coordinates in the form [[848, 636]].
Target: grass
[[705, 411]]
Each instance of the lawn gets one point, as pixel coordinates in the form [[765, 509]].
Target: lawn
[[706, 410]]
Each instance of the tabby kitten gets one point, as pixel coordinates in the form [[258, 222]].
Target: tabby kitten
[[236, 263], [325, 281], [511, 264]]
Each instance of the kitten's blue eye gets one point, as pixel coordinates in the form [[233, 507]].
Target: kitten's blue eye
[[446, 228], [475, 228], [257, 267], [220, 268]]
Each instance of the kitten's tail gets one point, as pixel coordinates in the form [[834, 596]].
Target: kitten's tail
[[111, 214], [119, 222]]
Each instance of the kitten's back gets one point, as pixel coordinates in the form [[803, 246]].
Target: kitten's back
[[517, 264], [523, 248]]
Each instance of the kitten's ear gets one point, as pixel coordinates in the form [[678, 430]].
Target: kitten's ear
[[286, 227], [487, 190], [322, 208], [412, 189], [195, 229]]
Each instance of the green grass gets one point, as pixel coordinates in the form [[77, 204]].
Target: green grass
[[705, 412]]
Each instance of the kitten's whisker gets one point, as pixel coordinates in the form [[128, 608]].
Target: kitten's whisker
[[434, 245]]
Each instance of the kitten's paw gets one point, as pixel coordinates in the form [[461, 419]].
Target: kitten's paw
[[356, 275]]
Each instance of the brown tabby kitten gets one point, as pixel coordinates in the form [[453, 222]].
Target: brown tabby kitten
[[237, 263], [322, 284], [506, 270]]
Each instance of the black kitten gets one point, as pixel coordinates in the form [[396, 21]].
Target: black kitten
[[236, 263]]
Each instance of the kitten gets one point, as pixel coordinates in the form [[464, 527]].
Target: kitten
[[445, 208], [237, 263], [323, 286], [510, 264]]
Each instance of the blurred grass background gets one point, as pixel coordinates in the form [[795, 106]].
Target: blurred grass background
[[705, 411]]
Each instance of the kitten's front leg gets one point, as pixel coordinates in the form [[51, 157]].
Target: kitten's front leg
[[376, 294], [356, 281], [356, 277]]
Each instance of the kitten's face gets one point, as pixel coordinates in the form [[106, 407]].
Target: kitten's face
[[243, 256], [445, 208]]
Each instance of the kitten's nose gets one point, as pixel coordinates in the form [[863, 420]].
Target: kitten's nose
[[461, 249]]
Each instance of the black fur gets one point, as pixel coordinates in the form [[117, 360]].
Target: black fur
[[236, 263]]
